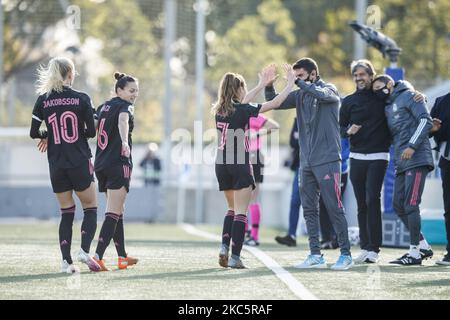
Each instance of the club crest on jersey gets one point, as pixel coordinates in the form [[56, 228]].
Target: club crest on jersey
[[254, 105], [394, 107], [131, 109]]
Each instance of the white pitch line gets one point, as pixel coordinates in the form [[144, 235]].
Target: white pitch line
[[293, 284]]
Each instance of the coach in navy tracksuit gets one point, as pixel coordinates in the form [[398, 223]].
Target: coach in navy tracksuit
[[410, 124], [441, 111]]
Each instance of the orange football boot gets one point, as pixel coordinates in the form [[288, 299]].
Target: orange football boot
[[101, 263], [123, 263]]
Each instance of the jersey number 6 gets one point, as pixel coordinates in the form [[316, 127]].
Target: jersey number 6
[[102, 136]]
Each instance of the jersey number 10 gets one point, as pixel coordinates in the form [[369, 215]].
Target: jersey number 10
[[65, 117]]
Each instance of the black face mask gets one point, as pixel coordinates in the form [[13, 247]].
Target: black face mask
[[308, 80], [382, 93]]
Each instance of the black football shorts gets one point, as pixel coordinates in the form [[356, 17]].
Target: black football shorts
[[114, 177], [66, 179], [234, 176]]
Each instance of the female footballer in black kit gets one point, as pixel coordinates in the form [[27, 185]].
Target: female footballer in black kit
[[113, 165], [233, 168], [68, 115]]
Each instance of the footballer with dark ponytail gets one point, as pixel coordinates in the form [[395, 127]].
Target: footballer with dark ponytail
[[113, 164], [122, 80]]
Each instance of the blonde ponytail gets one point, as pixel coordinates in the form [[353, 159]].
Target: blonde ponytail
[[51, 78]]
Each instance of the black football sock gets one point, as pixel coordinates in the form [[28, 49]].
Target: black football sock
[[88, 228], [227, 226], [106, 233], [119, 238], [65, 232], [237, 234]]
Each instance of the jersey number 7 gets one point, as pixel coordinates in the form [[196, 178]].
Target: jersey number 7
[[223, 138]]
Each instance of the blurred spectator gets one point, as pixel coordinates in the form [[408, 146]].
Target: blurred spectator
[[151, 165]]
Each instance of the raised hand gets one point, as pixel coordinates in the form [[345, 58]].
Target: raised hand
[[290, 75], [271, 73], [267, 76]]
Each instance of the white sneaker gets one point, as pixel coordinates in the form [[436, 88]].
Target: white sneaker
[[312, 262], [69, 268], [362, 257], [344, 262], [86, 259], [445, 261], [372, 257]]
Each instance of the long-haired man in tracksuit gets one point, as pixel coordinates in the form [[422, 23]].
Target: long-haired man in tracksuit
[[317, 104], [410, 124]]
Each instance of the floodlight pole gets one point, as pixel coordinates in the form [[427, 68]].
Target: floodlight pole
[[360, 47], [201, 6], [1, 60], [170, 10]]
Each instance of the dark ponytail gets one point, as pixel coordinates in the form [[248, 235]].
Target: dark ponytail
[[122, 80]]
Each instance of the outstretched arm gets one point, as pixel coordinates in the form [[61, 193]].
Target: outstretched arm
[[279, 99], [270, 94], [265, 78], [327, 93]]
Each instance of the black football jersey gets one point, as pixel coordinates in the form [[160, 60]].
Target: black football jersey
[[69, 118], [109, 143], [233, 140]]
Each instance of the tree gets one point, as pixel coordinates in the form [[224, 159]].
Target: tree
[[130, 47], [421, 29], [25, 22], [251, 43]]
